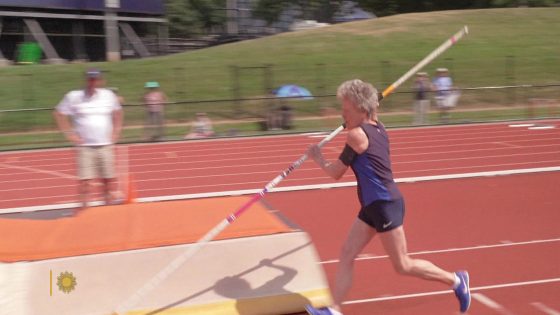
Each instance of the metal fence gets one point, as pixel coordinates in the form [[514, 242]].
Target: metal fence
[[35, 128]]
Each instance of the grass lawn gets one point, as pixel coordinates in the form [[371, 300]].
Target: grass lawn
[[504, 46]]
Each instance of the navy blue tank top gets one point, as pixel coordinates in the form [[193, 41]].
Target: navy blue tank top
[[373, 168]]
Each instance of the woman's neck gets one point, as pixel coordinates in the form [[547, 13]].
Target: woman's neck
[[372, 120]]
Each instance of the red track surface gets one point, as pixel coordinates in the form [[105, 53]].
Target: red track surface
[[47, 177], [518, 209], [442, 215]]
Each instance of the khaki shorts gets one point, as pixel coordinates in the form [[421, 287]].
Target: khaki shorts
[[94, 161]]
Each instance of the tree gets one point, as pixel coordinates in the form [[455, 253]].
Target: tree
[[383, 8], [320, 10], [529, 3], [182, 18], [189, 17], [270, 10], [211, 13]]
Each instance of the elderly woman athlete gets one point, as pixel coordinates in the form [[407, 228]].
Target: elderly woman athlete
[[382, 212]]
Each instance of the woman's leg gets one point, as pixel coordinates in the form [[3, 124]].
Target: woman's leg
[[394, 242], [359, 236]]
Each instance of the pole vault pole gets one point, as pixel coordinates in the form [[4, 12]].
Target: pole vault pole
[[181, 259], [433, 55]]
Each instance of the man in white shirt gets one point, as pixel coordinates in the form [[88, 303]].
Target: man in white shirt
[[91, 119]]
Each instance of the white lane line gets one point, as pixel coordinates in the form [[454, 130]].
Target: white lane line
[[541, 127], [71, 205], [300, 187], [247, 173], [339, 184], [333, 261], [311, 134], [170, 155], [183, 165], [520, 125], [37, 170], [204, 158], [457, 143], [508, 145], [415, 295], [486, 158], [481, 128], [545, 309], [488, 302], [278, 143], [304, 168]]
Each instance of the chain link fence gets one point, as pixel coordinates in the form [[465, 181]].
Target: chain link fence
[[239, 99], [35, 128]]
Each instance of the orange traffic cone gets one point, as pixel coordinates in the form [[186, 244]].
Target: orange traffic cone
[[130, 190]]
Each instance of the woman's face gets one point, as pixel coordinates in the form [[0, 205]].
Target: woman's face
[[352, 115]]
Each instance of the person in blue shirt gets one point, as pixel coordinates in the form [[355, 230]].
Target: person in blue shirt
[[382, 204]]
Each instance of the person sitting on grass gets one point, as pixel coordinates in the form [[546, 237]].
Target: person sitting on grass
[[201, 127]]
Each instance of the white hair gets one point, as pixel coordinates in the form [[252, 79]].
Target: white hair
[[362, 94]]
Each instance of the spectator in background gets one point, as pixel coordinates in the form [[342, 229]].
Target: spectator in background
[[91, 119], [286, 117], [273, 118], [445, 97], [422, 87], [154, 99], [201, 127], [279, 115]]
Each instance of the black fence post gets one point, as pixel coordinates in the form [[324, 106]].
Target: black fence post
[[180, 93], [510, 79], [320, 73], [450, 64], [268, 79], [179, 81], [385, 77], [28, 98], [236, 91], [27, 90], [268, 84]]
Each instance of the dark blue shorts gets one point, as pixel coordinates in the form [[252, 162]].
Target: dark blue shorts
[[383, 215]]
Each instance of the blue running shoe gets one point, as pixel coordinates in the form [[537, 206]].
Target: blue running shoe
[[462, 291], [317, 311]]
